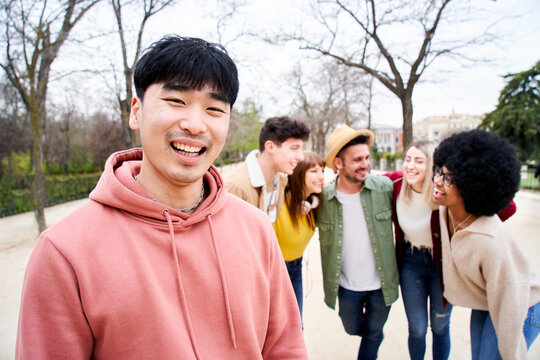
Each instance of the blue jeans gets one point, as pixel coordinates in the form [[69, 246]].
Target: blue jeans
[[294, 267], [419, 281], [364, 313], [484, 344]]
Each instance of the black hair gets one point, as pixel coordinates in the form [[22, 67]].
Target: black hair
[[279, 129], [360, 139], [484, 167], [190, 62]]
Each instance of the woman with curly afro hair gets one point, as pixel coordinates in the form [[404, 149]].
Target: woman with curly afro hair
[[476, 174]]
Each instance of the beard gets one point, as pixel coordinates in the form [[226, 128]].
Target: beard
[[352, 176]]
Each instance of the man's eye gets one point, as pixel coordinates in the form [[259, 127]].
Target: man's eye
[[216, 109], [175, 101]]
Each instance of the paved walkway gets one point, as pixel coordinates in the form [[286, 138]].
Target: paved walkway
[[324, 334]]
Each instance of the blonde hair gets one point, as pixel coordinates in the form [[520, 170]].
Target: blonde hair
[[427, 148]]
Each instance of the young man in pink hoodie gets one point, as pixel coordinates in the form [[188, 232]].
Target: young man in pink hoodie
[[163, 263]]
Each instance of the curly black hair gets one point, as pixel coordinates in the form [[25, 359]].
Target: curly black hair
[[484, 167]]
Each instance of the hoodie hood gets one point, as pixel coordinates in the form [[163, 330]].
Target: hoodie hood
[[117, 188]]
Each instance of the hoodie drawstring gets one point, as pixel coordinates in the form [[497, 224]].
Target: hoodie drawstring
[[181, 286], [181, 291], [223, 283]]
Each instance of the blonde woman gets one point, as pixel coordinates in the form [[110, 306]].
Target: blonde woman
[[420, 275]]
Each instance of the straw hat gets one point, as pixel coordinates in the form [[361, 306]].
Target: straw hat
[[340, 137]]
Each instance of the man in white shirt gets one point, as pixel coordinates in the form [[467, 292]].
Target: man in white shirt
[[357, 243]]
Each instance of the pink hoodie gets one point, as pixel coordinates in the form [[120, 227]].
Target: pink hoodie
[[126, 277]]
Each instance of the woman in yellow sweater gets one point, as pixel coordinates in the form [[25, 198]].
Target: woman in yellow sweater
[[295, 224]]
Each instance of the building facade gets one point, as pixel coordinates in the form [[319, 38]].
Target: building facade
[[437, 128], [389, 139]]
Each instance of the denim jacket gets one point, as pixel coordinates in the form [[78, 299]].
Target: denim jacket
[[376, 198]]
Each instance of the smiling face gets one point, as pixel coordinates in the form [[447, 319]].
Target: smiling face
[[353, 164], [182, 131], [287, 155], [415, 167], [314, 180], [446, 195]]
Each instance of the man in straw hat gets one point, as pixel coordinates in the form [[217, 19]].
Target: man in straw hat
[[357, 247]]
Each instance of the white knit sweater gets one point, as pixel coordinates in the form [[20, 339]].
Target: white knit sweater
[[484, 269]]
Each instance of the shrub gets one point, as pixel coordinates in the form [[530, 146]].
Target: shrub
[[60, 188]]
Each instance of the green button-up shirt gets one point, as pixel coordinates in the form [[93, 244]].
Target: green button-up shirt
[[376, 198]]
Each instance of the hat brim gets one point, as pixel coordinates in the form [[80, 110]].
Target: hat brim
[[329, 159]]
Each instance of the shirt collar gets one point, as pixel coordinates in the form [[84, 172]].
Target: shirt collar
[[488, 225], [256, 176]]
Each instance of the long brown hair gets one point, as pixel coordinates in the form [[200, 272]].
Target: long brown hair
[[296, 186]]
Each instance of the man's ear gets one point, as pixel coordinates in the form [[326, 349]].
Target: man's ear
[[338, 163], [270, 146], [135, 114]]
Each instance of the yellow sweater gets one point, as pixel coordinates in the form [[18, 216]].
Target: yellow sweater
[[292, 241]]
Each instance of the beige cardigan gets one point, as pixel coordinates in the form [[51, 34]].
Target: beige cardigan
[[237, 182], [484, 269]]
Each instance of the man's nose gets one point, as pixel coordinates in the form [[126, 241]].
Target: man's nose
[[193, 122]]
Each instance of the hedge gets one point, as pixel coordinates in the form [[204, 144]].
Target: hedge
[[60, 189], [529, 181]]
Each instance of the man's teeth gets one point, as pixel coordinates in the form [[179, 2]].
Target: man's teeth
[[187, 148]]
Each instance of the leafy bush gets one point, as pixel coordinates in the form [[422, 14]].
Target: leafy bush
[[14, 198]]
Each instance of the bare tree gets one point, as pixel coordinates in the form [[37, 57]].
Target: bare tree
[[225, 16], [327, 97], [14, 134], [243, 135], [125, 95], [57, 142], [34, 32], [104, 137], [360, 33]]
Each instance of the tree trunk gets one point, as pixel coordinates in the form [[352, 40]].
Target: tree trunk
[[318, 143], [124, 114], [407, 109], [67, 146], [39, 193], [131, 138]]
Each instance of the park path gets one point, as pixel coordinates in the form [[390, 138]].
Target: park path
[[324, 334]]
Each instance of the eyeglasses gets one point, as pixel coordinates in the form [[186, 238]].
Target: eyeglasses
[[447, 179]]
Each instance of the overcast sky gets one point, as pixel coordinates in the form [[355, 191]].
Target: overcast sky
[[263, 68]]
